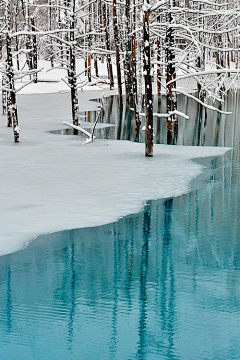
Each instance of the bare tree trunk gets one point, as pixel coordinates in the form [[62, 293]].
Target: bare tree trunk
[[127, 51], [158, 63], [1, 47], [4, 94], [50, 28], [28, 40], [72, 71], [148, 83], [96, 66], [16, 38], [116, 39], [12, 92], [172, 122], [89, 71], [134, 72], [109, 60], [34, 52]]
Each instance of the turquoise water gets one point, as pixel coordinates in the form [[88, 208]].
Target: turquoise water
[[161, 284]]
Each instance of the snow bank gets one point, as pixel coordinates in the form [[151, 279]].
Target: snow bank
[[53, 183]]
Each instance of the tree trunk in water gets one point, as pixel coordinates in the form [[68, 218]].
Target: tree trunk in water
[[72, 72], [16, 38], [96, 66], [89, 68], [116, 39], [148, 83], [4, 94], [172, 122], [28, 41], [34, 52], [128, 52], [1, 46], [109, 60], [134, 73], [89, 71], [50, 28], [158, 63], [12, 92]]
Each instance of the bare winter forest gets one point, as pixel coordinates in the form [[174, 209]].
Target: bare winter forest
[[151, 43]]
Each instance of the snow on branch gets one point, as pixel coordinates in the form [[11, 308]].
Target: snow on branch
[[175, 112], [210, 107], [208, 72], [90, 136], [157, 5]]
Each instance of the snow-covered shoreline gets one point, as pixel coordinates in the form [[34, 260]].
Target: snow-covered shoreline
[[51, 182], [54, 183]]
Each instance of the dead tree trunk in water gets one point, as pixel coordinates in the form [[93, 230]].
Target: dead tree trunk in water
[[148, 82], [127, 51], [72, 70], [34, 52], [116, 39], [172, 122], [134, 72], [109, 60], [4, 93], [12, 92], [158, 63]]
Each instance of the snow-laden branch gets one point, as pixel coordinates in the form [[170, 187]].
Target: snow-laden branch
[[210, 107], [211, 3], [201, 73], [175, 112], [157, 5], [51, 6], [40, 32], [24, 85], [76, 127]]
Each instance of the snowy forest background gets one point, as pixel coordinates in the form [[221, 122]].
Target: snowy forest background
[[158, 41]]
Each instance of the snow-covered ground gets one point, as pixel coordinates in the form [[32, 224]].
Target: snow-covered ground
[[51, 182]]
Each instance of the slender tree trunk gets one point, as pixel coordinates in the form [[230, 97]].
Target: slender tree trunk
[[127, 51], [116, 39], [4, 94], [34, 52], [50, 28], [172, 122], [158, 63], [28, 40], [109, 60], [1, 47], [96, 66], [89, 71], [134, 72], [148, 83], [72, 71], [12, 92], [16, 38]]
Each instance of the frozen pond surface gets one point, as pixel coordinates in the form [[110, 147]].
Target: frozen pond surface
[[162, 284]]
